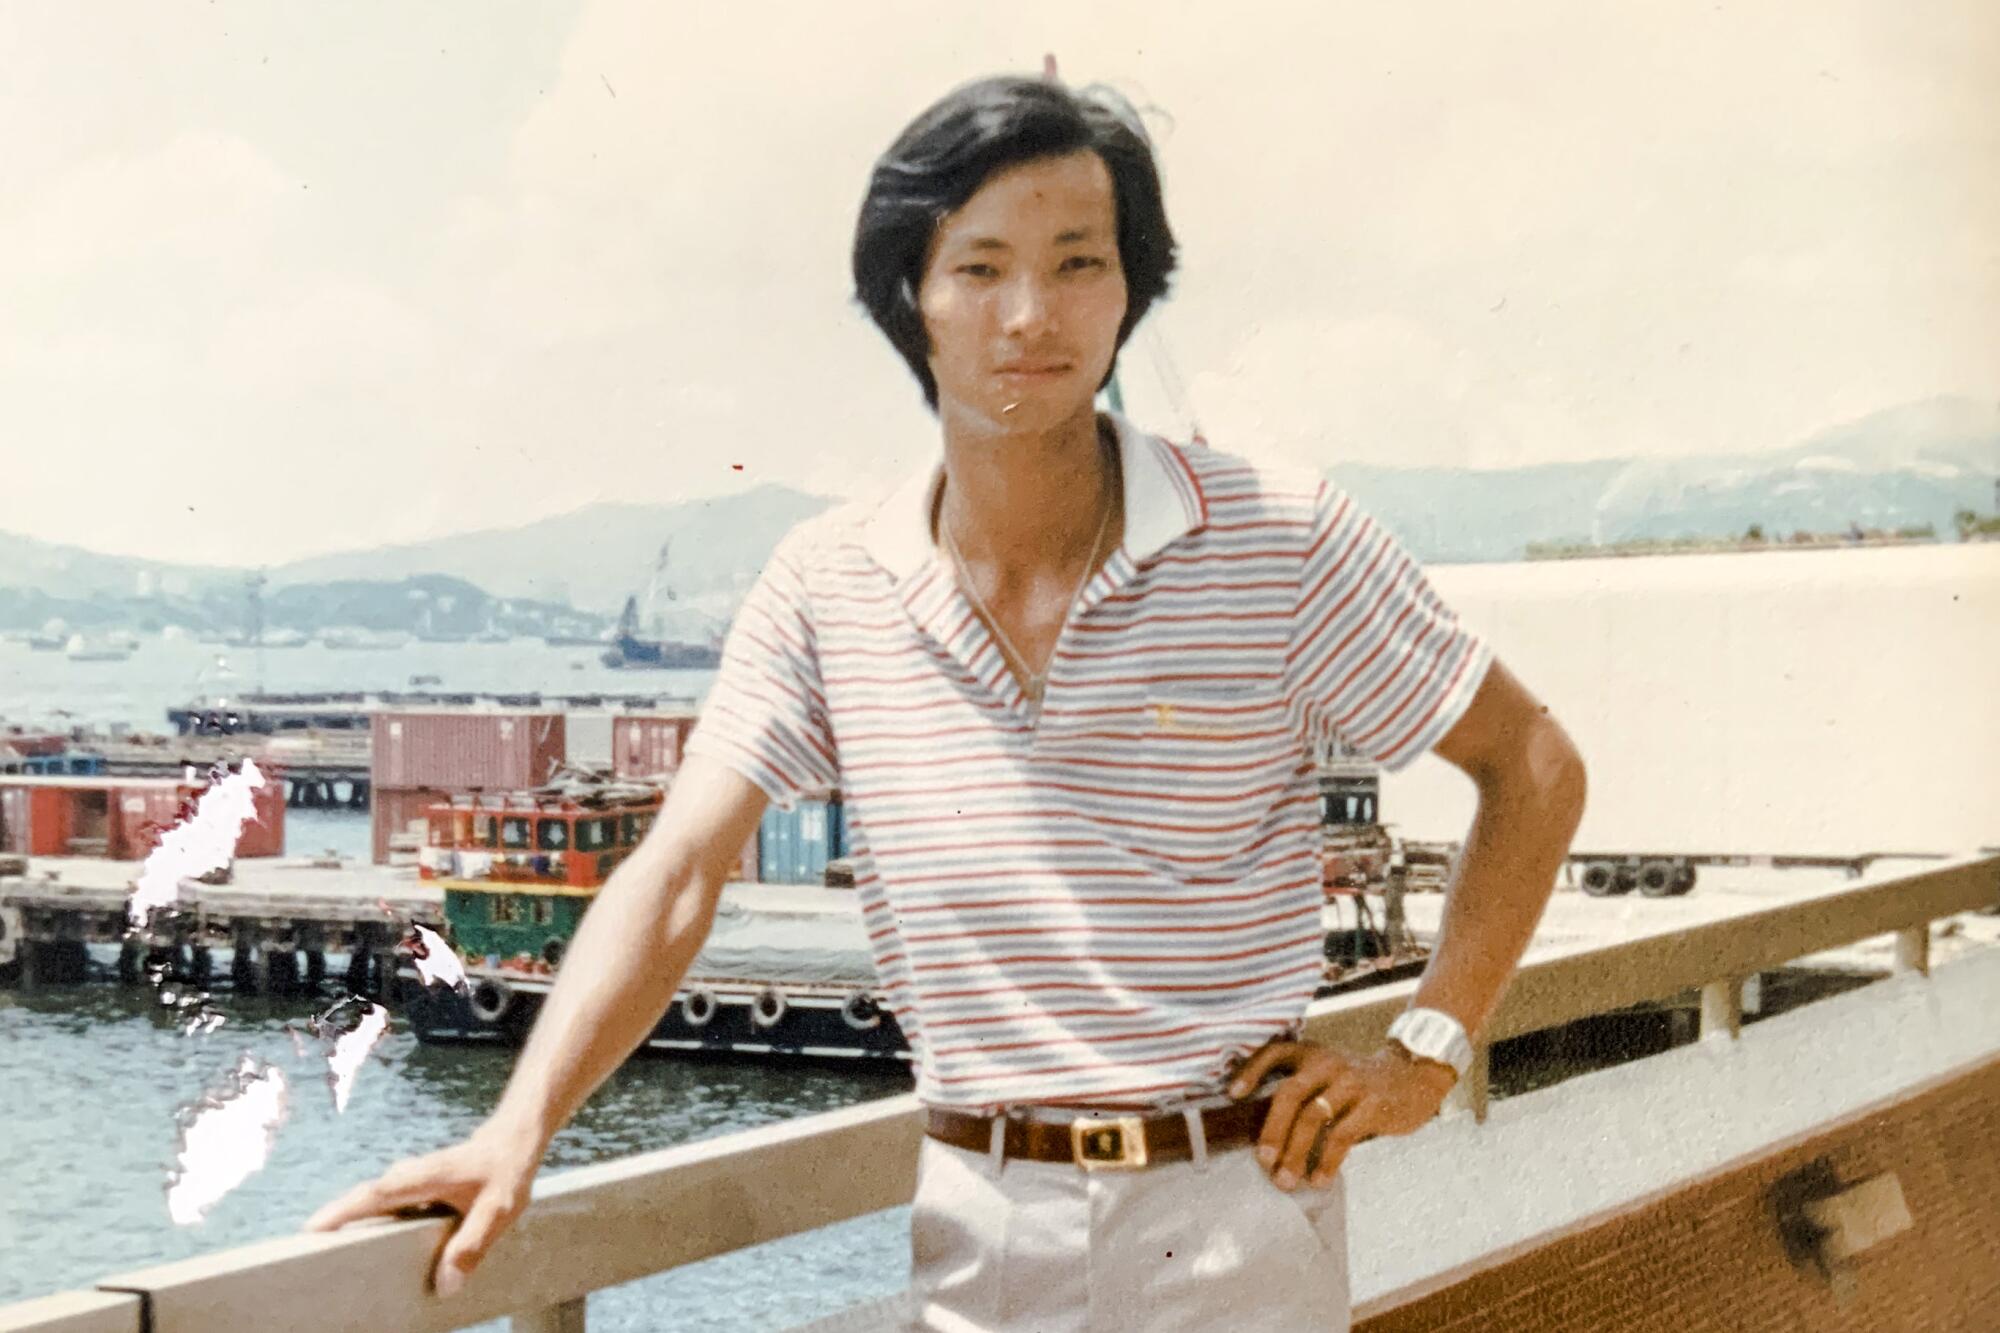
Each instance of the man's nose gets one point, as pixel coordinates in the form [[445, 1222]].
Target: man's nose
[[1029, 306]]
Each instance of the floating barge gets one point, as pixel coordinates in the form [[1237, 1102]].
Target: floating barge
[[768, 983]]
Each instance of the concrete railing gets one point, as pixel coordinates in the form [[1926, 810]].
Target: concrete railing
[[598, 1226]]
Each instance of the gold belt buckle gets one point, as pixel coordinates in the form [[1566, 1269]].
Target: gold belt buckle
[[1117, 1143]]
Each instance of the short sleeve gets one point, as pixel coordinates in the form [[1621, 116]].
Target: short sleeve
[[765, 717], [1376, 661]]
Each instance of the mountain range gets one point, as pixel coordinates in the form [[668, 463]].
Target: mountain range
[[1908, 466], [1916, 464]]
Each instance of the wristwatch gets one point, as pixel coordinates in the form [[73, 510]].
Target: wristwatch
[[1432, 1034]]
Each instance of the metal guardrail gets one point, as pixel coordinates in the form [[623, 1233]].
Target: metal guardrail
[[598, 1226]]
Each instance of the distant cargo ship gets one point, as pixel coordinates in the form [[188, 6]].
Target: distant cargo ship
[[357, 639], [81, 648], [629, 650]]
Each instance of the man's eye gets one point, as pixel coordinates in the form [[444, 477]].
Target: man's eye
[[1085, 261], [977, 270]]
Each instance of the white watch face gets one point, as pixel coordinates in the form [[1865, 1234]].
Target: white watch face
[[1422, 1051], [1431, 1035]]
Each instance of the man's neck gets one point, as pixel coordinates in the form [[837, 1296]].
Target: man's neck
[[1026, 502]]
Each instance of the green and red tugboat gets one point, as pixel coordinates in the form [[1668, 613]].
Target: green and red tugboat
[[785, 972]]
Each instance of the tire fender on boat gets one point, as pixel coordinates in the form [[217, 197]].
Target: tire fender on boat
[[768, 1009], [861, 1011], [12, 928], [490, 1000], [698, 1008]]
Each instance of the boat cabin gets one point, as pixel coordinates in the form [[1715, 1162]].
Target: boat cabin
[[519, 869]]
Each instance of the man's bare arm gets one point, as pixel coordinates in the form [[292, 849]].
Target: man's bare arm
[[1531, 794], [618, 976]]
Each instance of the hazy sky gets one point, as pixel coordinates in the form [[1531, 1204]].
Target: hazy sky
[[286, 278]]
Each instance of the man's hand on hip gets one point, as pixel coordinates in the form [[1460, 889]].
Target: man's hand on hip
[[1336, 1102]]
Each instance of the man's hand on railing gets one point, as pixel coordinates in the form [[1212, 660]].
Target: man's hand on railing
[[1348, 1100], [484, 1180]]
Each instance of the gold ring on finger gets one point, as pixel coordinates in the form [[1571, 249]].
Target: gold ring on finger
[[1323, 1104]]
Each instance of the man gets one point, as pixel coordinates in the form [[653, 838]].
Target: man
[[1070, 682]]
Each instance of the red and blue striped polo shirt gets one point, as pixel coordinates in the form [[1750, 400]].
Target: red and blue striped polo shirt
[[1115, 901]]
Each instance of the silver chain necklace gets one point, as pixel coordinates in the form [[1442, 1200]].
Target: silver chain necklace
[[1031, 681]]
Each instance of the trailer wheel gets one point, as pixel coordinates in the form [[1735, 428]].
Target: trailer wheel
[[1600, 879], [1683, 878], [490, 1000], [1656, 879]]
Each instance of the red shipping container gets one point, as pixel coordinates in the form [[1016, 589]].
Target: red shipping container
[[648, 745], [393, 810], [487, 750], [146, 810], [265, 835], [36, 816], [119, 817], [16, 829], [41, 815]]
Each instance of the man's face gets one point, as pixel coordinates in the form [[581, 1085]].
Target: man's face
[[1022, 295]]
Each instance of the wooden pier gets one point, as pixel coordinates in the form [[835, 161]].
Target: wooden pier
[[279, 923]]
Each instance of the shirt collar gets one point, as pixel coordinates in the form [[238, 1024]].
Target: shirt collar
[[1163, 501]]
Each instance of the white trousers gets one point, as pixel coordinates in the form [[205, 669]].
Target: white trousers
[[1044, 1247]]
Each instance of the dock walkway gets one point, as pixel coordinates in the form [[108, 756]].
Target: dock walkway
[[278, 918]]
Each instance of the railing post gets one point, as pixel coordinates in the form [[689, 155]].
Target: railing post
[[1722, 1009], [1469, 1093], [1913, 949], [564, 1318]]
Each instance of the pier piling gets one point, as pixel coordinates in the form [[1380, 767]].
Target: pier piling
[[131, 960], [281, 968]]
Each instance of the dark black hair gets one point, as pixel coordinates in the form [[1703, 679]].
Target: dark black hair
[[949, 151]]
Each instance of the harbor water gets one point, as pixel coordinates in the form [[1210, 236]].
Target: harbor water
[[91, 1078], [47, 687]]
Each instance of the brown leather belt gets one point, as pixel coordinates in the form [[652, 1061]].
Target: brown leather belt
[[1102, 1140]]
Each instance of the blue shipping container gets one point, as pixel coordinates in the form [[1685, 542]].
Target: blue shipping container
[[793, 846], [71, 763]]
